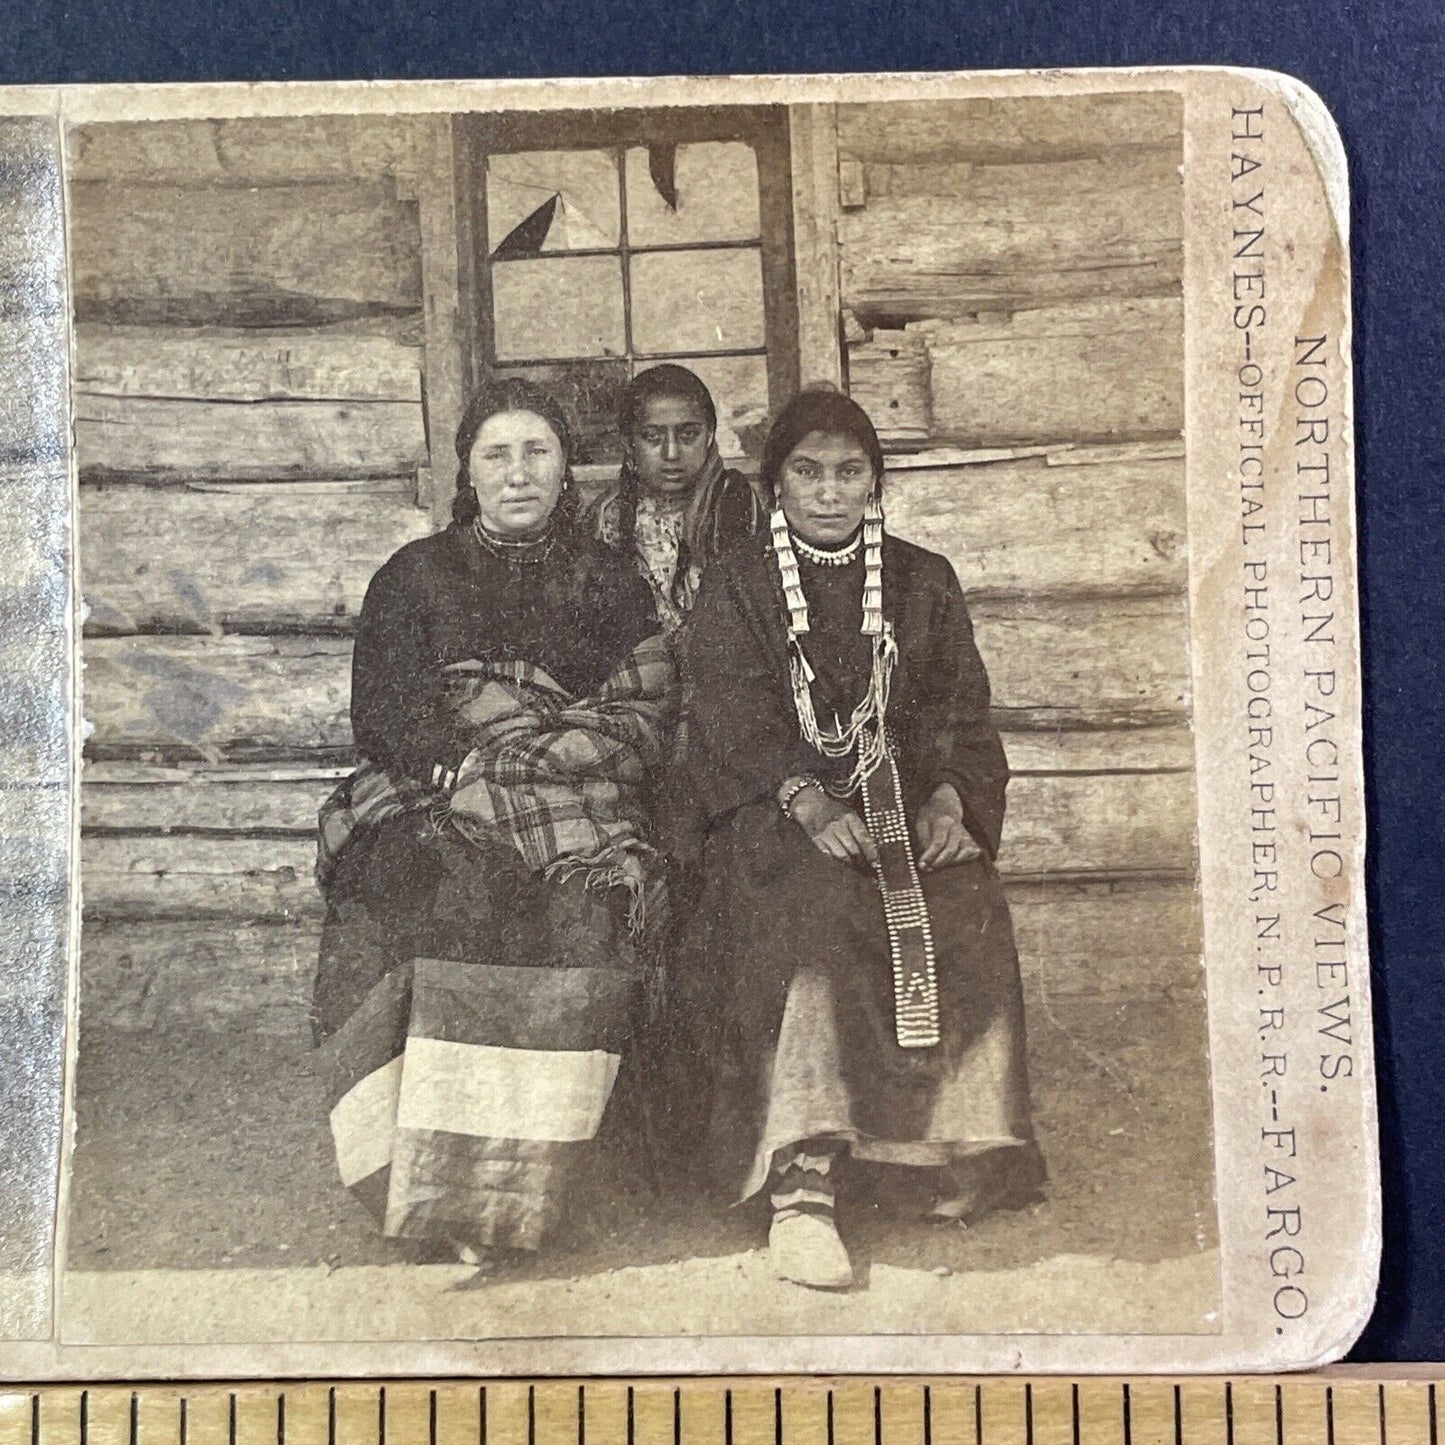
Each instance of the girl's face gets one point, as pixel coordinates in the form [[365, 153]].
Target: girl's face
[[823, 487], [517, 465], [669, 446]]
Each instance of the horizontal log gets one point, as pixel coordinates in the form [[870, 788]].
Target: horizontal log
[[200, 846], [240, 879], [218, 696], [213, 976], [1078, 371], [957, 240], [1126, 940], [1030, 526], [217, 364], [132, 796], [252, 151], [267, 256], [167, 559], [152, 436], [1117, 661], [173, 559], [994, 130]]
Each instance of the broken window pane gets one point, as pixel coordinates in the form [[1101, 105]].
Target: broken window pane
[[689, 301], [739, 387], [689, 193], [558, 307], [545, 201]]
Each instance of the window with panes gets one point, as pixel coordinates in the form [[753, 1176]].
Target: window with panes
[[604, 243]]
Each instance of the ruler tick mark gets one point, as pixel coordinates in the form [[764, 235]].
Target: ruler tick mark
[[830, 1417], [482, 1415], [135, 1417], [431, 1418], [581, 1416], [531, 1416], [281, 1418], [84, 1416], [185, 1419], [231, 1417], [877, 1415], [1128, 1420], [1229, 1412], [631, 1419], [330, 1417], [1330, 1414], [927, 1416], [1028, 1414], [778, 1418], [380, 1417], [1178, 1416], [1382, 1415], [1278, 1415], [1430, 1406], [977, 1416], [1074, 1396], [728, 1417]]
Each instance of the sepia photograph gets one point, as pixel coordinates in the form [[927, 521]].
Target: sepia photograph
[[641, 757], [714, 727]]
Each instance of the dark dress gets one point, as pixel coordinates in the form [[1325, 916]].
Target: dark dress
[[791, 999], [447, 952]]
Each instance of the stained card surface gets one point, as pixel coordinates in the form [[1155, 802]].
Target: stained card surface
[[681, 725]]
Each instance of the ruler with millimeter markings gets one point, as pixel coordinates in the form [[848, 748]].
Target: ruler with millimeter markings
[[1292, 1410]]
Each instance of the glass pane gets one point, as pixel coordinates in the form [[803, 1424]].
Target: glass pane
[[704, 192], [544, 201], [697, 301], [565, 306], [588, 391], [739, 386]]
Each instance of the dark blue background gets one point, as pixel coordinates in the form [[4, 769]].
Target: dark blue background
[[1379, 68]]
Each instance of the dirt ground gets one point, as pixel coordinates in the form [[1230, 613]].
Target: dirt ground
[[210, 1150]]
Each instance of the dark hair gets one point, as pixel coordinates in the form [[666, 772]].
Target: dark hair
[[665, 380], [511, 393], [818, 411], [670, 380]]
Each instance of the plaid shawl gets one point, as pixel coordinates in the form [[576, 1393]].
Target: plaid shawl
[[562, 779]]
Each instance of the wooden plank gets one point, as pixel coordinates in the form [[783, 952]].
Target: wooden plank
[[151, 436], [1079, 823], [992, 130], [170, 559], [813, 136], [1055, 665], [955, 240], [1117, 661], [232, 696], [889, 377], [222, 364], [272, 255], [434, 168], [1076, 371], [167, 559], [1093, 941], [251, 151], [1015, 526]]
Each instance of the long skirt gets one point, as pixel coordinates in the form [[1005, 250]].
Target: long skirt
[[472, 1018], [782, 1019]]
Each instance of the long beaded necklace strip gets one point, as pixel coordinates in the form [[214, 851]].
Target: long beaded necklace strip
[[862, 735], [874, 773]]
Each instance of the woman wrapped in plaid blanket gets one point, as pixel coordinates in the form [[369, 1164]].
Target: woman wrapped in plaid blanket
[[487, 869]]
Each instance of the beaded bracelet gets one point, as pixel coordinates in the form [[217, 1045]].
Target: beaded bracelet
[[803, 781]]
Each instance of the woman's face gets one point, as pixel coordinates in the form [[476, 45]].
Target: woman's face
[[823, 486], [517, 465], [669, 445]]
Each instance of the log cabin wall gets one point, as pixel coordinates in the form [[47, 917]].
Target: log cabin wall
[[1010, 301], [267, 378]]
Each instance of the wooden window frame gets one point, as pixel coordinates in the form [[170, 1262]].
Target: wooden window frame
[[765, 128]]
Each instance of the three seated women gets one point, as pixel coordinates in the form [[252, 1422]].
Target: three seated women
[[848, 986]]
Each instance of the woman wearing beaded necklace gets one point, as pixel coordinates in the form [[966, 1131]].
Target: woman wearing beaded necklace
[[867, 998], [487, 869]]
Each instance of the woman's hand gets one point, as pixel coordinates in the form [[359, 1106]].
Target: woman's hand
[[942, 838], [833, 827]]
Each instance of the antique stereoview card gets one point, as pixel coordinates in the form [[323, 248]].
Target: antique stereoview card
[[689, 725]]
